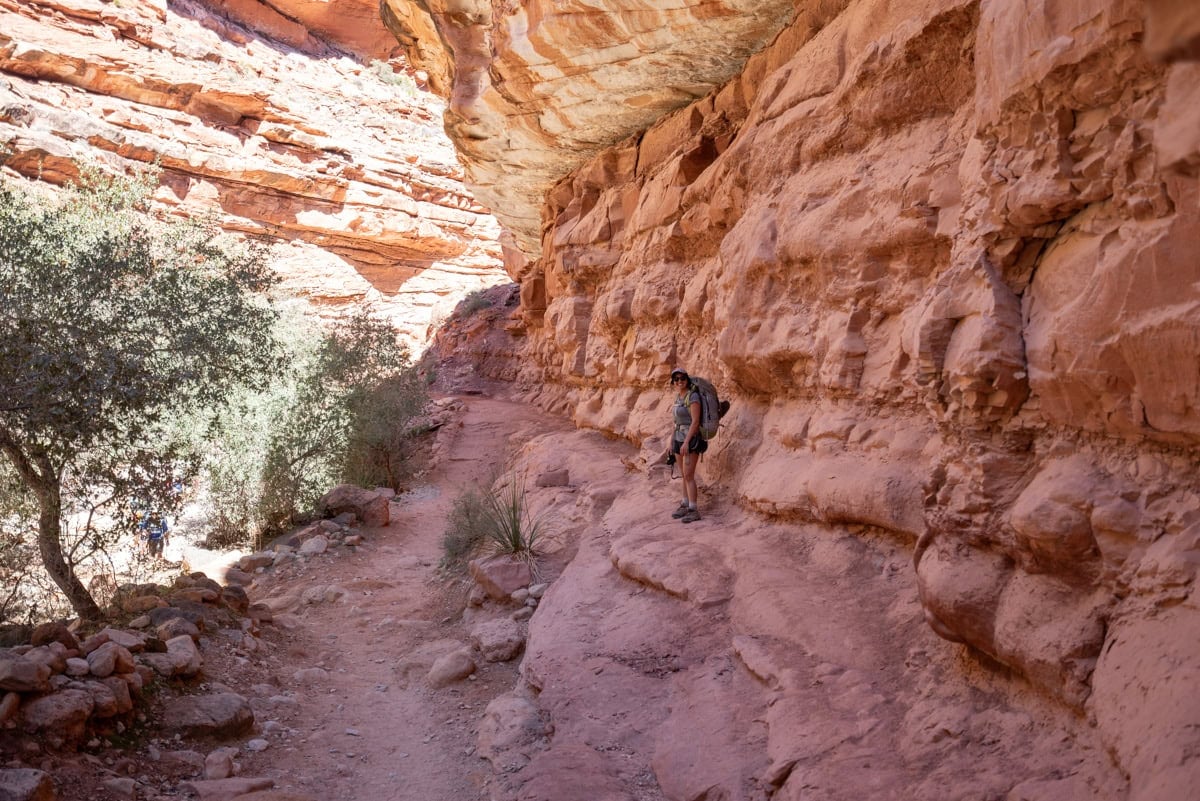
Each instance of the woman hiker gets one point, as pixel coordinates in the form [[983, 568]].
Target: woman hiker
[[687, 442]]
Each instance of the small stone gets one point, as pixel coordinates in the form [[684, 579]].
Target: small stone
[[121, 788], [538, 590], [354, 732], [450, 668], [258, 744], [10, 702], [77, 667], [519, 595], [524, 613], [140, 622], [219, 764], [214, 789], [314, 675]]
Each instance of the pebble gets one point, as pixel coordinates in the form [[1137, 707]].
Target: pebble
[[257, 744], [354, 732]]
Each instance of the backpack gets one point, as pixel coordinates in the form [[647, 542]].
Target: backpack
[[712, 409]]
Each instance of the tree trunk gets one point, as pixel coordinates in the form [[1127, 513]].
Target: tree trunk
[[42, 479], [50, 545]]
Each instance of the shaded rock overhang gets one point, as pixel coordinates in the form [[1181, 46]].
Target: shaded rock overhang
[[536, 88]]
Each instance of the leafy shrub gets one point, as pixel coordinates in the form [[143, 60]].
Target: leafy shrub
[[473, 302], [466, 526], [112, 324], [495, 518], [340, 408]]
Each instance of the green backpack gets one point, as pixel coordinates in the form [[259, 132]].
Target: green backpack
[[712, 408]]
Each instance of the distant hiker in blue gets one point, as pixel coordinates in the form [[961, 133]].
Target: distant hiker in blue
[[155, 533]]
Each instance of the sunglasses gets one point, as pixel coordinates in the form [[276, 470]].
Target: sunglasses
[[679, 378]]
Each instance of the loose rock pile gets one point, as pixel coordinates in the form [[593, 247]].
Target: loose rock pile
[[59, 688]]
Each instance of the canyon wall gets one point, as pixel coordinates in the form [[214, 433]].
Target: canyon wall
[[942, 256], [269, 121]]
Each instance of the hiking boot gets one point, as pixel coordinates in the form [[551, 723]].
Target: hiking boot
[[691, 517], [682, 510]]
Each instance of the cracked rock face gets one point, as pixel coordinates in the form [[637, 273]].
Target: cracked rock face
[[942, 255], [536, 87]]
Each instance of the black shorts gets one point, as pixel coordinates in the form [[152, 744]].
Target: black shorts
[[698, 445]]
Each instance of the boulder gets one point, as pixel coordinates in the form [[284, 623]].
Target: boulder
[[199, 595], [500, 576], [130, 641], [369, 506], [108, 659], [511, 722], [315, 546], [23, 675], [186, 655], [252, 562], [217, 715], [451, 667], [121, 787], [141, 603], [227, 789], [61, 715], [238, 578], [235, 598], [176, 627], [498, 640], [48, 655], [54, 631], [122, 692], [219, 764], [10, 702], [104, 702], [26, 784]]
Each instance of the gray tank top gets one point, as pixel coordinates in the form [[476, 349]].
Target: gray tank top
[[683, 414]]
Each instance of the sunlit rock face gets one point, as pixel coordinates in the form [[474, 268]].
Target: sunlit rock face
[[536, 87], [942, 256], [270, 126]]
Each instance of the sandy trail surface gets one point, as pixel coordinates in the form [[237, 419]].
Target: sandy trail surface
[[751, 658], [362, 731]]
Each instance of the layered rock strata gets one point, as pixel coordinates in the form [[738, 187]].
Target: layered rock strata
[[284, 137], [537, 87], [941, 254]]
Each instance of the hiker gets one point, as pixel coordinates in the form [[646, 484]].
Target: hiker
[[686, 442], [156, 533]]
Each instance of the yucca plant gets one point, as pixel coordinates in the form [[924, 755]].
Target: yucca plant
[[509, 526]]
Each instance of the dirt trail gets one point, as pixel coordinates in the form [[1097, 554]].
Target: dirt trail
[[760, 658], [359, 733]]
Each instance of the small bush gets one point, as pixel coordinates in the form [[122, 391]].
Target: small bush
[[466, 526], [475, 301], [498, 519]]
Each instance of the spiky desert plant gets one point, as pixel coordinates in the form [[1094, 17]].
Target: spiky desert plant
[[511, 529]]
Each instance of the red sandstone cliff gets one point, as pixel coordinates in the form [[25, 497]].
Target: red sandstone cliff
[[268, 119], [943, 256]]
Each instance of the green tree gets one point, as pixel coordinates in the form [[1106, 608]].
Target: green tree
[[340, 407], [111, 322]]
